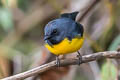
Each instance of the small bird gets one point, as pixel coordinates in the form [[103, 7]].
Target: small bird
[[64, 35]]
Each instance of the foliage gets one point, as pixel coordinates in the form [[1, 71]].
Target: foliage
[[109, 71]]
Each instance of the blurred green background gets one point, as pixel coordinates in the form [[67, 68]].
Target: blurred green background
[[21, 37]]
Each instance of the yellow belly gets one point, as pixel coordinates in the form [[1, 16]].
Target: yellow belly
[[66, 46]]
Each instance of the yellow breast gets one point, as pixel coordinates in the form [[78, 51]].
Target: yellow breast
[[66, 46]]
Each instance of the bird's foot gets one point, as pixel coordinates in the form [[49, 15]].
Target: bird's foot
[[57, 61], [79, 58]]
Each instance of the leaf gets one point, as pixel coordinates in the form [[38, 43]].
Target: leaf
[[23, 4], [109, 71], [9, 3], [6, 19], [114, 45]]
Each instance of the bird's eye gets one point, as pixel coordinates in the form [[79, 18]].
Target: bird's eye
[[55, 31]]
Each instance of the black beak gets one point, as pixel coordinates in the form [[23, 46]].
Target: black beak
[[46, 39]]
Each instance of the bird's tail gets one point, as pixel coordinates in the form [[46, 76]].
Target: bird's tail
[[70, 15]]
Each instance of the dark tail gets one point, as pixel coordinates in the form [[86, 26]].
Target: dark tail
[[70, 15]]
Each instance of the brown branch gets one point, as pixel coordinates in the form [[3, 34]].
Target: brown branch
[[80, 18], [65, 62]]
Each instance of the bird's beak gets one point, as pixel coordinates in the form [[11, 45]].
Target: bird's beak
[[46, 39]]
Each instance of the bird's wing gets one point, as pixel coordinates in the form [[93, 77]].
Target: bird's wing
[[79, 29]]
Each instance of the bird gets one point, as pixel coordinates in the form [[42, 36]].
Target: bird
[[64, 35]]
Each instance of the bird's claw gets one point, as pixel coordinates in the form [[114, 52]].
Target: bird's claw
[[57, 61], [79, 58]]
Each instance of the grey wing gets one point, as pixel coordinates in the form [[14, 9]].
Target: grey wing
[[79, 29]]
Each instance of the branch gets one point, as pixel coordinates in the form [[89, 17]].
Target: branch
[[80, 18], [65, 62]]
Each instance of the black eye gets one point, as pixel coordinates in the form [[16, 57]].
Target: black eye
[[55, 31]]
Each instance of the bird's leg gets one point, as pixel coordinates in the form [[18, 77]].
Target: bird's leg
[[57, 61], [79, 58]]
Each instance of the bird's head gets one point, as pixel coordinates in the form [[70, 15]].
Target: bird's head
[[56, 30]]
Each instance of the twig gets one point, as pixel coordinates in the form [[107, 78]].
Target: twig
[[65, 62], [87, 10]]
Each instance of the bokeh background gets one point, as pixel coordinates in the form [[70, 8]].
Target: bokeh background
[[21, 37]]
